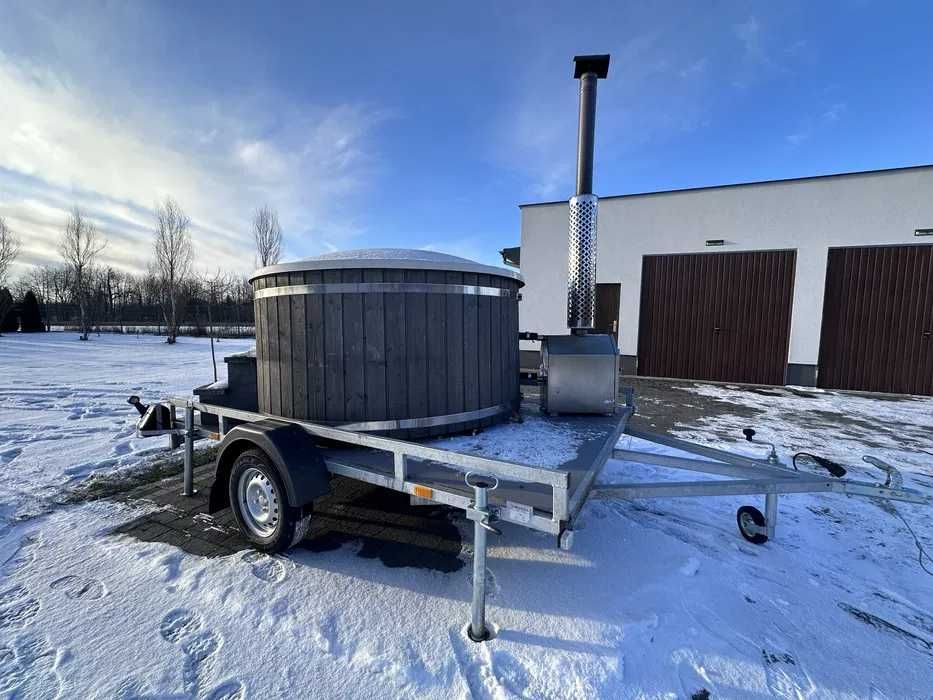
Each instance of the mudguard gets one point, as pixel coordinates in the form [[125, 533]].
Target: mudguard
[[290, 449]]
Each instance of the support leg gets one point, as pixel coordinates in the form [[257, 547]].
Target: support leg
[[771, 504], [189, 451], [477, 630]]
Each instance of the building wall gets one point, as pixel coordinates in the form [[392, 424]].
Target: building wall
[[809, 215]]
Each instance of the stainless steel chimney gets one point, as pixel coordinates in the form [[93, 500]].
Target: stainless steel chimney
[[581, 254]]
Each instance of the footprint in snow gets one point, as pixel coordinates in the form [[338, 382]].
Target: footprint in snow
[[20, 613], [8, 456], [25, 553], [694, 680], [511, 674], [13, 595], [77, 587], [28, 669], [179, 624], [200, 653], [476, 665], [690, 567], [785, 677], [133, 689], [265, 568], [328, 634], [231, 690], [184, 628]]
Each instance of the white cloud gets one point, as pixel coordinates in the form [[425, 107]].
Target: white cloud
[[645, 99], [749, 34], [835, 112], [59, 146], [811, 126], [695, 68]]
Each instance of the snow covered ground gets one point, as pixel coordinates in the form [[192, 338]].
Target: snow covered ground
[[63, 410], [658, 599]]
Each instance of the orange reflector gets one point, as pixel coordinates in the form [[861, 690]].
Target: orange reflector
[[423, 492], [214, 436]]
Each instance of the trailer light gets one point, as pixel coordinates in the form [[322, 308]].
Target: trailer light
[[923, 232], [710, 242], [423, 492]]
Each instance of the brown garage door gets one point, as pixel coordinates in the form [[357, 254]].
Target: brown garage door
[[878, 320], [716, 316]]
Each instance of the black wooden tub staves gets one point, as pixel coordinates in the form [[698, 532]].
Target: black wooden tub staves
[[410, 343]]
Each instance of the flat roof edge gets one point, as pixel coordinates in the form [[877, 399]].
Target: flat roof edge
[[741, 184]]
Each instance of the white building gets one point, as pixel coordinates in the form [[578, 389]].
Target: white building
[[819, 281]]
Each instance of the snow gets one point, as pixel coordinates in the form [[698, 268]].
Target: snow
[[534, 442], [63, 410], [842, 426], [219, 384], [658, 599]]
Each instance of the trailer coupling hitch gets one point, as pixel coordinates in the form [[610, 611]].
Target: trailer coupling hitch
[[894, 478], [749, 434], [154, 419], [137, 404]]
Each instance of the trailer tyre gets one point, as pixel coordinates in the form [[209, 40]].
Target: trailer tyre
[[748, 516], [260, 506]]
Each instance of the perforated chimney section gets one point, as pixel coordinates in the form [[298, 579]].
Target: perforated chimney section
[[581, 262]]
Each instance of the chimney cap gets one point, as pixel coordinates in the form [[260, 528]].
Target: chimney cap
[[596, 63]]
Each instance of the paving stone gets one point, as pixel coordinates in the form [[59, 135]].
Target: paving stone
[[196, 545], [166, 516], [148, 531], [382, 521]]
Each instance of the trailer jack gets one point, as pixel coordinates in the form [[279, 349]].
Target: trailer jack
[[480, 515]]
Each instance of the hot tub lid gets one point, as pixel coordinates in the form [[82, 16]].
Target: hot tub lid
[[387, 258]]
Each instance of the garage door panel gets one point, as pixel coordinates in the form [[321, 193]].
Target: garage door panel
[[716, 316], [877, 320]]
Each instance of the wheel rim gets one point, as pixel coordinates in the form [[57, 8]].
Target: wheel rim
[[259, 502], [747, 523]]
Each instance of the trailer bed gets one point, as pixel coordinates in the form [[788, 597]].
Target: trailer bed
[[545, 498], [597, 435]]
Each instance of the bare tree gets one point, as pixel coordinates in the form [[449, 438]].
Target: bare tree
[[9, 249], [268, 235], [43, 279], [172, 264], [80, 246]]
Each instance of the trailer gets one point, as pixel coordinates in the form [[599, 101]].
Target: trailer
[[418, 344], [270, 469]]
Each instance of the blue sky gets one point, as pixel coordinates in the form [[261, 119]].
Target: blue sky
[[425, 124]]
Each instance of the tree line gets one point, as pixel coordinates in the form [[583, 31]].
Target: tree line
[[171, 297]]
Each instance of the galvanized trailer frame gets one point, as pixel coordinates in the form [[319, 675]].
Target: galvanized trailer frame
[[544, 499], [415, 466], [487, 490], [749, 477]]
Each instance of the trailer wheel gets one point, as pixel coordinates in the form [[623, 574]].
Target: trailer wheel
[[260, 506], [748, 517]]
